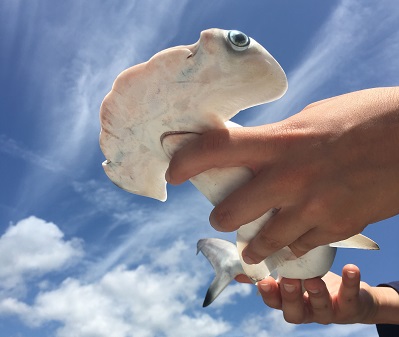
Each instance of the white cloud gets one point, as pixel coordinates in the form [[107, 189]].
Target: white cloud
[[34, 247], [141, 302], [343, 331], [271, 323], [268, 324], [162, 297]]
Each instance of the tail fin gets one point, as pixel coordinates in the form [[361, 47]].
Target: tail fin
[[223, 257]]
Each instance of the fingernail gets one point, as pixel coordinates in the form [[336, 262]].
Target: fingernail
[[351, 274], [248, 259], [314, 291], [266, 287], [289, 288]]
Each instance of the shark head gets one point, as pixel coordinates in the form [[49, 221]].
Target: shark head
[[184, 89]]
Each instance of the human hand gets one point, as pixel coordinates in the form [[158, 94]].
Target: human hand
[[332, 299], [331, 170]]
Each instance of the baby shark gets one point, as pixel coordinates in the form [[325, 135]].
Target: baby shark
[[156, 107]]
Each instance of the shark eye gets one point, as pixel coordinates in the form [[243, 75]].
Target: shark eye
[[238, 40]]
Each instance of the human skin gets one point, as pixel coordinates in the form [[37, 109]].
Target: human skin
[[330, 170], [332, 299]]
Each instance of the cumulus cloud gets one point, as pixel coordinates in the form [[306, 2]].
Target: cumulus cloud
[[268, 324], [271, 323], [140, 302], [162, 297], [34, 247]]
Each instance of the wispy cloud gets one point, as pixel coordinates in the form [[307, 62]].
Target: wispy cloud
[[353, 32], [110, 44], [11, 147], [149, 230], [69, 86]]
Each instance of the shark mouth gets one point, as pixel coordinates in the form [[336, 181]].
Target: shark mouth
[[169, 133]]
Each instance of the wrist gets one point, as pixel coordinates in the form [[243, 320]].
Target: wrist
[[386, 306]]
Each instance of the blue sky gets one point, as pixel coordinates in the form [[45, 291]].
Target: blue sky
[[80, 257]]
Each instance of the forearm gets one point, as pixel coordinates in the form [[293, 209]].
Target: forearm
[[387, 310]]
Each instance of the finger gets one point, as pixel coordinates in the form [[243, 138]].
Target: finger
[[320, 301], [246, 204], [293, 305], [280, 231], [215, 149], [313, 238], [243, 279], [348, 294], [270, 292], [333, 280]]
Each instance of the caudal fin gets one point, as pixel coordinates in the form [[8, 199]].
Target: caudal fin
[[223, 257]]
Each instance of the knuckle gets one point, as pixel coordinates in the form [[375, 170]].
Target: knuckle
[[268, 242], [270, 303], [286, 133], [293, 318], [342, 229], [279, 139], [311, 105], [302, 245], [317, 207]]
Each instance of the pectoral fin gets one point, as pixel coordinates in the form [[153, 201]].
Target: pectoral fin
[[358, 241], [224, 259]]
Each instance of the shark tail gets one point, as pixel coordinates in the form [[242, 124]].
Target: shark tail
[[223, 257], [218, 284]]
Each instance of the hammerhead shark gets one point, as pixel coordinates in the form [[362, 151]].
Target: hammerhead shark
[[156, 107]]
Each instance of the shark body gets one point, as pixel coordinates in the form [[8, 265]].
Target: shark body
[[156, 107]]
